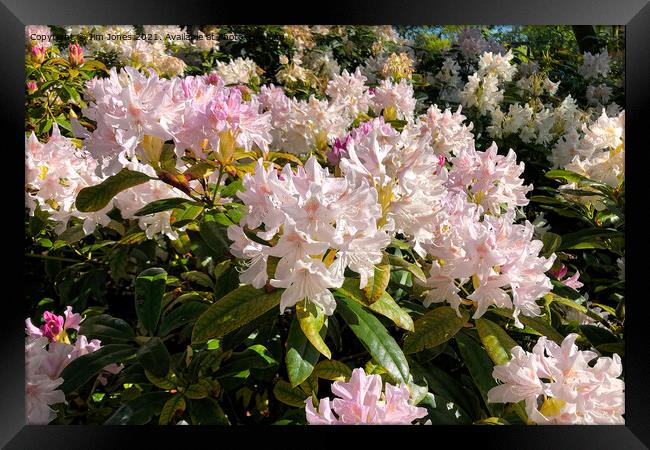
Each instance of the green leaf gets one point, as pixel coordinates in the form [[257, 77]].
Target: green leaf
[[107, 329], [571, 304], [496, 341], [215, 236], [73, 234], [332, 370], [199, 278], [180, 316], [536, 324], [82, 369], [164, 204], [95, 198], [551, 242], [154, 357], [385, 305], [312, 320], [185, 215], [231, 189], [172, 406], [480, 368], [441, 411], [375, 338], [288, 395], [149, 291], [301, 355], [140, 410], [439, 382], [377, 283], [207, 411], [435, 327], [235, 309], [413, 268], [591, 238]]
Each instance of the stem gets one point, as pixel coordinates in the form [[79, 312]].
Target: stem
[[216, 188]]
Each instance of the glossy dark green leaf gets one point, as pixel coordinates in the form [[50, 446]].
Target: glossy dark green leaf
[[496, 341], [164, 204], [180, 316], [435, 327], [84, 368], [301, 357], [107, 329], [154, 357], [235, 309], [375, 338], [288, 395], [385, 305], [171, 408], [94, 198], [149, 291], [480, 367], [312, 320]]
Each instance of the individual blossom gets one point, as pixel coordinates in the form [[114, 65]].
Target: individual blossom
[[40, 390], [54, 326], [562, 385], [365, 401], [561, 272], [598, 95]]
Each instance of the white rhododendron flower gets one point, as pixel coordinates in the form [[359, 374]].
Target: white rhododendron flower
[[313, 215], [562, 385], [596, 65], [238, 71]]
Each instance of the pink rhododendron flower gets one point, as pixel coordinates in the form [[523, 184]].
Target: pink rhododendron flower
[[314, 215], [362, 402], [45, 358], [575, 390]]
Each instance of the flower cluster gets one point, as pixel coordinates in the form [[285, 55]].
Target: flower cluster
[[55, 172], [562, 384], [597, 152], [48, 350], [364, 401], [319, 225]]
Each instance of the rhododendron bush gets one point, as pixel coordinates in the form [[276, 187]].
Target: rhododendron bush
[[324, 225]]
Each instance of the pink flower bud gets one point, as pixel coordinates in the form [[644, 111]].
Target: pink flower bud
[[32, 87], [38, 53], [559, 272], [76, 54], [53, 325]]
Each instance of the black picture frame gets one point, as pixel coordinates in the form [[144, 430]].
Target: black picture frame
[[635, 14]]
